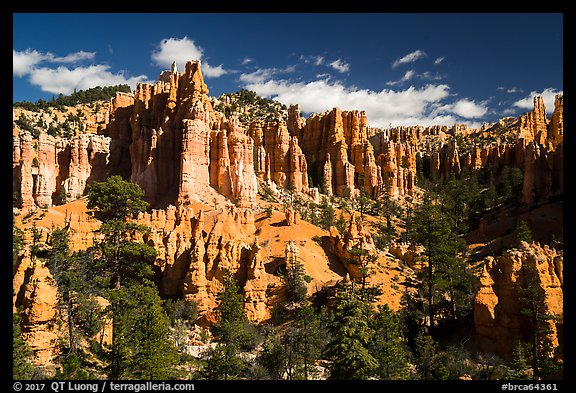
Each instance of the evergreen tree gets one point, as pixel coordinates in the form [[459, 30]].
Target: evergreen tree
[[119, 259], [295, 281], [123, 270], [73, 367], [447, 282], [542, 353], [456, 203], [521, 367], [351, 337], [116, 198], [388, 345], [222, 362], [59, 263], [307, 334], [231, 330], [182, 315], [516, 179], [230, 313], [523, 232], [490, 195], [363, 259], [363, 203], [83, 317], [341, 223], [505, 186], [21, 352], [17, 244], [426, 357], [328, 214], [273, 355], [142, 347]]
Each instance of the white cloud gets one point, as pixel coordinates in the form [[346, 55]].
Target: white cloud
[[64, 80], [438, 60], [258, 76], [466, 109], [262, 74], [246, 61], [176, 50], [73, 57], [24, 62], [409, 58], [213, 72], [427, 75], [316, 60], [182, 50], [406, 107], [407, 76], [411, 74], [548, 95], [510, 90], [340, 66]]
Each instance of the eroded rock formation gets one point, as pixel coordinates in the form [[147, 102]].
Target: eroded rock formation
[[356, 237], [255, 299], [533, 125], [337, 150], [406, 252], [49, 167], [35, 290], [398, 165], [556, 134], [498, 319], [280, 158], [446, 160]]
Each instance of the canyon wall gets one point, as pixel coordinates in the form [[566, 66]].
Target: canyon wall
[[341, 159], [499, 321], [49, 167]]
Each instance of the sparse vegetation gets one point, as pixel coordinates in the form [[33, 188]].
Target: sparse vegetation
[[78, 97], [249, 107]]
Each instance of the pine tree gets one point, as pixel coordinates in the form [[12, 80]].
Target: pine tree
[[446, 275], [222, 362], [363, 203], [426, 356], [307, 333], [17, 244], [21, 352], [273, 355], [231, 330], [63, 271], [533, 297], [116, 198], [328, 214], [363, 259], [118, 259], [341, 223], [523, 232], [141, 346], [295, 281], [123, 270], [351, 336], [388, 345], [490, 196]]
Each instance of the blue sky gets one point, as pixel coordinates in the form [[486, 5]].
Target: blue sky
[[403, 69]]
